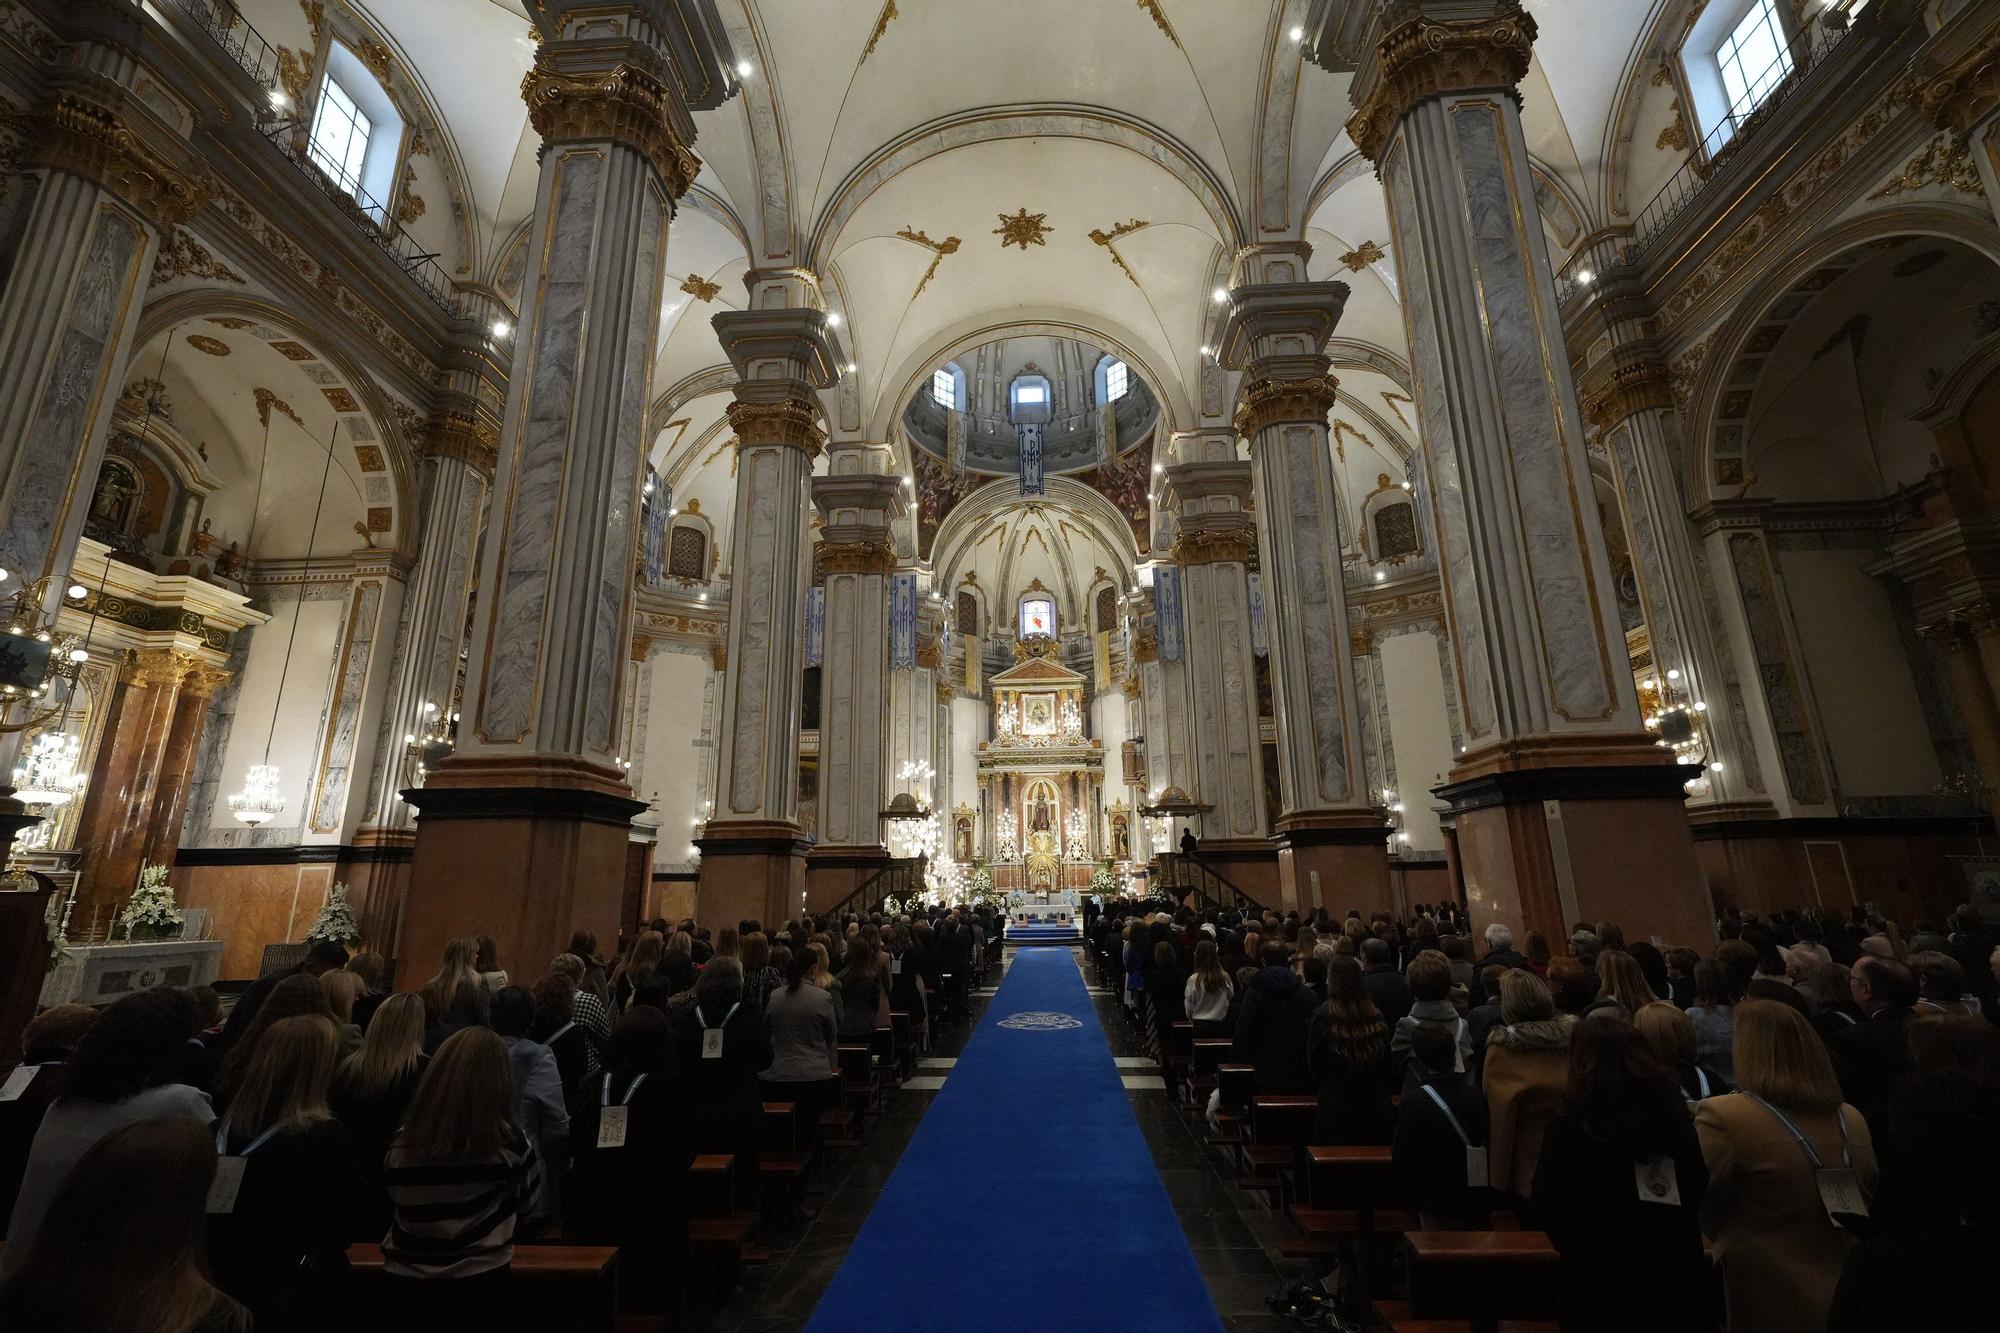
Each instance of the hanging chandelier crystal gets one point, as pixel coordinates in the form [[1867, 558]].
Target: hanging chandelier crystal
[[48, 775], [260, 798]]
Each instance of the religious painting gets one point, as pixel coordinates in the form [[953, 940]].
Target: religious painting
[[1107, 609], [1121, 838], [1038, 616], [1128, 483], [1038, 715], [961, 839]]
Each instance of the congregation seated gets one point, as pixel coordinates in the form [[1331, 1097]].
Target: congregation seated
[[1440, 1136]]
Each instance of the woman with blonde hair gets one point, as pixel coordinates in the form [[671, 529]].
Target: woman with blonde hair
[[455, 998], [1525, 1074], [121, 1246], [1671, 1034], [1778, 1150], [461, 1175], [343, 989], [372, 1088], [639, 968], [1621, 981], [280, 1245]]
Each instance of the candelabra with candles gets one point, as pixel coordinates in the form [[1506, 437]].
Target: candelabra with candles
[[1007, 722], [1006, 832], [1071, 722], [1076, 836], [1392, 808]]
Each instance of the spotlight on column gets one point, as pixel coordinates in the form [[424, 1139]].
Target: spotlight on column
[[744, 69], [1219, 295], [1298, 34], [501, 328], [77, 592], [851, 367], [833, 319]]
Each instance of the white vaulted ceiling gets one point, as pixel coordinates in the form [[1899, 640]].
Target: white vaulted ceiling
[[869, 134]]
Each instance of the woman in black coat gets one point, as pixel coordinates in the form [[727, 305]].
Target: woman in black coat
[[1619, 1188], [1347, 1050], [725, 1098], [634, 1195]]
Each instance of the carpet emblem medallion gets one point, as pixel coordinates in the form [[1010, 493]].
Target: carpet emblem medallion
[[1039, 1021]]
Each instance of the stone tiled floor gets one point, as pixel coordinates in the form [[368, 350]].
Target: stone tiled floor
[[1233, 1235]]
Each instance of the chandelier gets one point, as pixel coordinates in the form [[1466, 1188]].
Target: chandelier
[[1006, 832], [1077, 835], [260, 798], [1072, 722], [48, 775]]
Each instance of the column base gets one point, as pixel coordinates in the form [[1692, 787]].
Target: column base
[[751, 871], [526, 864], [1336, 859], [379, 885], [1544, 848], [832, 873]]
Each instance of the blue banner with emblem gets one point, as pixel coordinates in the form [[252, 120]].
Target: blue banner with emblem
[[1031, 460], [815, 626], [1259, 643], [1167, 610], [902, 620]]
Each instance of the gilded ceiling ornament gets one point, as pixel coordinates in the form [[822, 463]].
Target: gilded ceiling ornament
[[939, 249], [1426, 56], [143, 396], [72, 133], [181, 256], [700, 288], [460, 433], [230, 322], [882, 22], [412, 206], [1106, 239], [315, 12], [1960, 95], [1023, 229], [872, 555], [1946, 160], [377, 58], [294, 73], [267, 402], [1341, 430], [1159, 17], [1215, 546], [1392, 399], [1362, 255], [201, 342], [1662, 76], [1675, 135], [419, 145]]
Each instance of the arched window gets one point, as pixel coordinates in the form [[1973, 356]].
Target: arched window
[[1114, 380], [944, 388], [1735, 56], [357, 133], [1038, 616]]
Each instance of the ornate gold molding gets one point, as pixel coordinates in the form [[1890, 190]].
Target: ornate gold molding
[[1427, 56], [203, 680], [459, 433], [718, 652], [1634, 387], [1131, 686], [642, 646], [874, 556], [71, 133], [1215, 546], [1965, 92], [928, 656], [946, 691], [154, 668], [789, 421], [1145, 646], [626, 104], [1269, 402]]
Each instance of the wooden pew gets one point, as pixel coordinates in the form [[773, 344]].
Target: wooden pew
[[1481, 1277], [557, 1288], [1281, 1125], [1349, 1194]]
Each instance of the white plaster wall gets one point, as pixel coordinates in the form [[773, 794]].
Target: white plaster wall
[[1419, 730], [968, 728], [1859, 675], [678, 772], [295, 744], [1107, 724]]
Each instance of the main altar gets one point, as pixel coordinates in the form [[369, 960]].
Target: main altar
[[1040, 778]]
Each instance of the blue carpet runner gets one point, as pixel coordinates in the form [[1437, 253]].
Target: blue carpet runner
[[1027, 1199]]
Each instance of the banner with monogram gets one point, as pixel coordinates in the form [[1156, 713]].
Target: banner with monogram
[[1167, 610], [654, 504], [902, 620], [1259, 643], [1031, 459], [815, 626]]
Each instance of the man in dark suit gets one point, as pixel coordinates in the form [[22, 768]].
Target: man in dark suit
[[1870, 1054], [1385, 984]]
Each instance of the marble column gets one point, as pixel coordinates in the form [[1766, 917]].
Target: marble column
[[109, 173], [1208, 491], [1564, 807], [1969, 663], [170, 790], [1333, 842], [522, 832], [457, 449], [1632, 406], [753, 850], [116, 827], [859, 502]]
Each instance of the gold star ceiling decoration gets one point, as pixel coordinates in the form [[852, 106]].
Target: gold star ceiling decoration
[[1023, 229]]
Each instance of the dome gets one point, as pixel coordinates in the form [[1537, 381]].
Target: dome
[[1062, 384]]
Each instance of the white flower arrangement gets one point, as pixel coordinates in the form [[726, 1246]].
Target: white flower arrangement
[[151, 908], [336, 921], [1103, 882]]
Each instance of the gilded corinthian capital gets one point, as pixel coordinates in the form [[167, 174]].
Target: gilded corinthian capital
[[789, 421], [626, 104], [93, 130], [1270, 402], [1427, 56]]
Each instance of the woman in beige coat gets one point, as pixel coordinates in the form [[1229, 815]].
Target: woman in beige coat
[[1527, 1068], [1780, 1253]]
